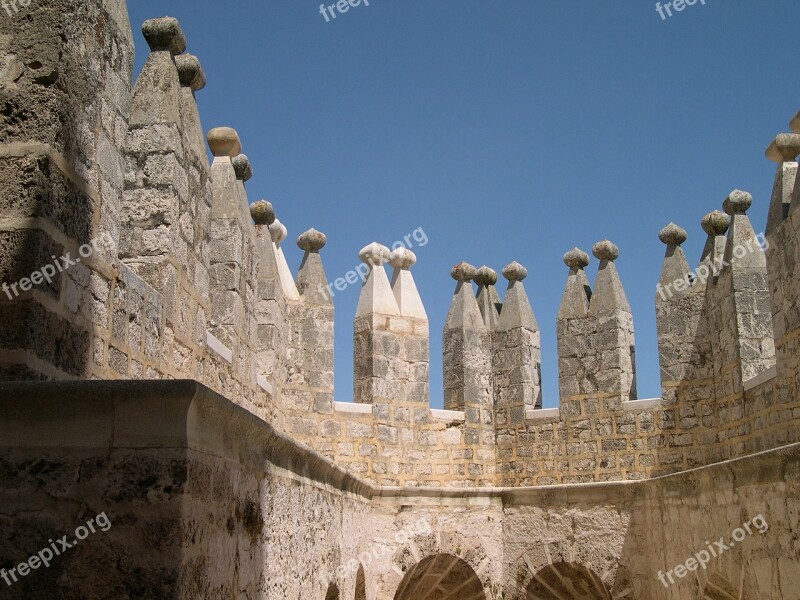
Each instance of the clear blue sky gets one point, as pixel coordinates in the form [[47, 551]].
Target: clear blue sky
[[509, 130]]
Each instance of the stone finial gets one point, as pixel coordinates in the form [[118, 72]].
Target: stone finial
[[224, 141], [403, 259], [785, 148], [673, 235], [463, 272], [576, 259], [312, 240], [190, 72], [262, 212], [278, 232], [515, 272], [374, 254], [485, 276], [242, 167], [605, 250], [716, 223], [164, 34], [737, 203]]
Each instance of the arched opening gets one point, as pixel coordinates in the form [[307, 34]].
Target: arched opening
[[332, 593], [361, 585], [719, 588], [566, 581], [441, 577]]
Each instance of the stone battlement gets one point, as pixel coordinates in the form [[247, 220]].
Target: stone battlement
[[194, 284]]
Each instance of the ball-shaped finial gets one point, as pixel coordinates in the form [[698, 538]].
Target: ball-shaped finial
[[374, 254], [463, 272], [785, 148], [164, 34], [278, 232], [576, 259], [242, 167], [716, 223], [737, 203], [515, 272], [605, 250], [402, 258], [224, 141], [190, 72], [312, 240], [486, 276], [672, 235], [262, 212]]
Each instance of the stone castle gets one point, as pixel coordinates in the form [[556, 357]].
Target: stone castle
[[161, 364]]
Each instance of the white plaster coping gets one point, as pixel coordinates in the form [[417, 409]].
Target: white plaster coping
[[448, 415], [353, 408], [760, 378], [264, 384], [219, 347], [645, 403], [542, 413]]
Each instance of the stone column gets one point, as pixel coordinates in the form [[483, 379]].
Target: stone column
[[679, 307], [782, 251], [574, 329], [271, 311], [375, 342], [739, 304], [614, 342], [516, 363], [467, 357], [313, 318]]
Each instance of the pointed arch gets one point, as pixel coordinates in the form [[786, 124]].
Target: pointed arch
[[566, 581]]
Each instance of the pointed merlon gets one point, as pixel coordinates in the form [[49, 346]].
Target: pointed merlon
[[264, 215], [784, 151], [311, 280], [608, 292], [164, 35], [279, 233], [577, 292], [376, 296], [403, 286], [190, 72], [517, 311], [675, 268], [464, 312], [488, 299], [242, 167], [743, 249]]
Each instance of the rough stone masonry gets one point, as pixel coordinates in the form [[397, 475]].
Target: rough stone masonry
[[180, 379]]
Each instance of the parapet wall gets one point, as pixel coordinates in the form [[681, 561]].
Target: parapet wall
[[185, 278]]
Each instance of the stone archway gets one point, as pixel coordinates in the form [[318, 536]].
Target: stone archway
[[441, 577], [332, 593], [566, 581]]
